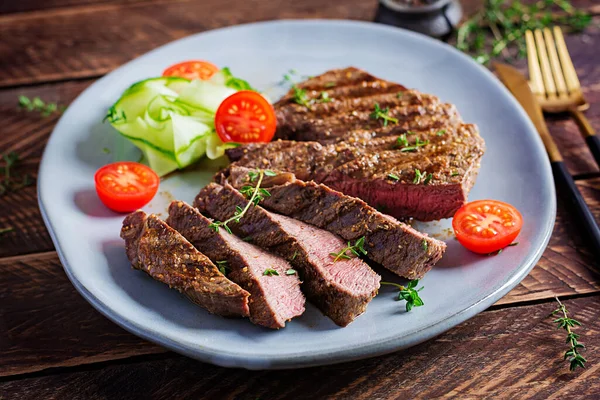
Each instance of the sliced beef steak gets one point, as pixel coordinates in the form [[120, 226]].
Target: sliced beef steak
[[393, 244], [160, 251], [422, 166], [274, 299], [341, 290]]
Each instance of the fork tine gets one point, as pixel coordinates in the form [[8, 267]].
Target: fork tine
[[559, 80], [545, 64], [535, 75], [565, 59]]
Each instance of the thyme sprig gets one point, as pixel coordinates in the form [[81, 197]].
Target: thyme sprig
[[6, 230], [382, 113], [408, 293], [566, 323], [11, 183], [255, 196], [422, 177], [355, 250], [37, 104], [405, 146], [223, 266], [270, 272], [301, 96], [499, 29]]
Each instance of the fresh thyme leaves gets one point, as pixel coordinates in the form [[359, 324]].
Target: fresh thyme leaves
[[355, 250], [324, 98], [6, 230], [418, 143], [247, 239], [394, 177], [270, 272], [402, 141], [408, 293], [410, 133], [424, 244], [454, 173], [513, 244], [37, 104], [255, 194], [300, 96], [400, 94], [330, 84], [294, 256], [106, 150], [290, 272], [507, 23], [11, 183], [419, 176], [379, 113], [428, 178], [566, 323], [441, 132], [223, 267], [113, 116]]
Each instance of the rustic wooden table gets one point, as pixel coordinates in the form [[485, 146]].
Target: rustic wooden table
[[54, 345]]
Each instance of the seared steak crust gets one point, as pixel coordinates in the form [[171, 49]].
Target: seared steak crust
[[393, 244], [157, 249], [274, 299], [341, 290], [434, 155]]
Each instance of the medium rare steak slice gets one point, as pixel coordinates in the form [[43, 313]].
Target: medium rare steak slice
[[433, 180], [393, 244], [274, 299], [157, 249], [341, 289]]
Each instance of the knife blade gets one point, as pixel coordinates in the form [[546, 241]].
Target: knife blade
[[519, 87]]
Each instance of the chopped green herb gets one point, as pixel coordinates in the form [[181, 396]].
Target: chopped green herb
[[10, 183], [419, 176], [268, 172], [37, 104], [399, 94], [428, 178], [294, 256], [330, 84], [441, 132], [513, 244], [6, 230], [424, 245], [394, 177], [402, 141], [408, 293], [454, 173], [380, 113], [418, 143], [355, 250], [410, 133], [566, 323], [223, 267], [324, 98], [106, 150], [247, 239], [290, 272], [270, 272]]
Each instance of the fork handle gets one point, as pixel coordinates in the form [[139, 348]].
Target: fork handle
[[587, 130], [576, 205]]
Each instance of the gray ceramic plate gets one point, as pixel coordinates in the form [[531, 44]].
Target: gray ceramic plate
[[514, 169]]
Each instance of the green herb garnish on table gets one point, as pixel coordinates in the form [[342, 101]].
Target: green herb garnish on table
[[567, 323]]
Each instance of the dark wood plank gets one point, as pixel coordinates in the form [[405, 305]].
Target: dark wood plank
[[46, 323], [508, 353], [26, 133], [7, 7], [74, 43]]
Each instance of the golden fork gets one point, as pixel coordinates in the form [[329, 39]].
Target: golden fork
[[554, 81]]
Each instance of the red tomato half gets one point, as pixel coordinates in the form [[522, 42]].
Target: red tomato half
[[485, 226], [126, 186], [194, 69], [245, 117]]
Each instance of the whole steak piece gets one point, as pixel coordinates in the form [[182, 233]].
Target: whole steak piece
[[160, 251]]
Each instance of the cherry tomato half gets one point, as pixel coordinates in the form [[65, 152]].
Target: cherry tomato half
[[194, 69], [485, 226], [126, 186], [245, 117]]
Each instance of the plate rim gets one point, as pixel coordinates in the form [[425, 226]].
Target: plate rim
[[257, 361]]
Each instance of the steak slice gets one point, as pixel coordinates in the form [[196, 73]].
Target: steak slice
[[274, 299], [341, 290], [393, 244], [157, 249], [433, 181]]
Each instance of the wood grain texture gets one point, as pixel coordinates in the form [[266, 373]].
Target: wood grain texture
[[45, 323], [26, 133], [513, 353], [14, 6]]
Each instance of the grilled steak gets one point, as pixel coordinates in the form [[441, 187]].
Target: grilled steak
[[393, 244], [274, 299], [157, 249], [422, 167], [341, 290]]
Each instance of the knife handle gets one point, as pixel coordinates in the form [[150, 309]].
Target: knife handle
[[593, 143], [576, 204]]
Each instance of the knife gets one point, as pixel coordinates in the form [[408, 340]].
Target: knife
[[519, 87]]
